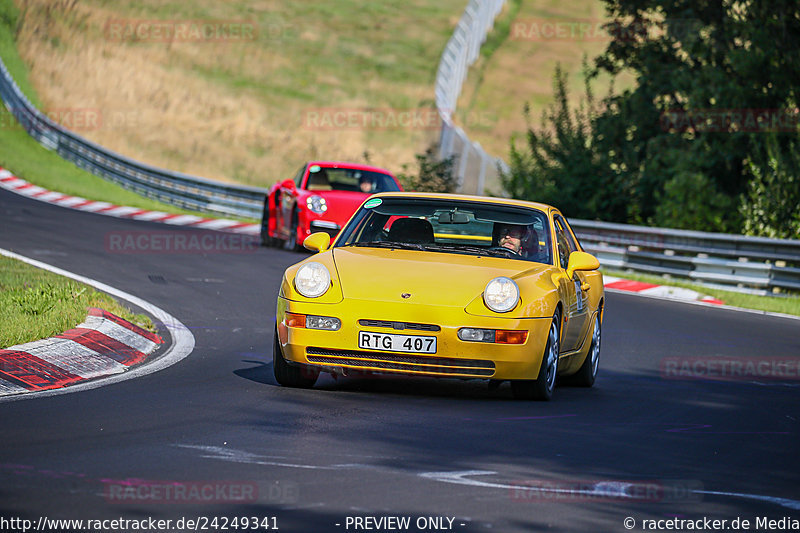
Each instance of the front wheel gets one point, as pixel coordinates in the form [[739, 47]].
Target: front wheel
[[588, 372], [543, 386], [301, 377]]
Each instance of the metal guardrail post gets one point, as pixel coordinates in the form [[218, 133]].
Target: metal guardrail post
[[461, 51], [734, 262]]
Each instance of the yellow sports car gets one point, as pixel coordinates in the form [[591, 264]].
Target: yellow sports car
[[445, 286]]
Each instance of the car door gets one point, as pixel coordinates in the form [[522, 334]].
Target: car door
[[576, 314], [287, 198]]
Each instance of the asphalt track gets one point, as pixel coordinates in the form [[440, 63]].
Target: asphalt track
[[315, 460]]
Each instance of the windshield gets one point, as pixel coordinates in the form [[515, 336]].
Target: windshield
[[349, 179], [451, 226]]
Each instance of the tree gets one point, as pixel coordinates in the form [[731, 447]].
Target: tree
[[771, 206], [711, 77], [433, 174]]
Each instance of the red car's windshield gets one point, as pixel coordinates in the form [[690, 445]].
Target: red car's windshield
[[349, 179]]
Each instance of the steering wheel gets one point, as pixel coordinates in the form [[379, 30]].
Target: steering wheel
[[504, 249]]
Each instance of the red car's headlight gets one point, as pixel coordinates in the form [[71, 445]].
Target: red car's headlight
[[316, 204]]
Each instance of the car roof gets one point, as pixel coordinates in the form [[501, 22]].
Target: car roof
[[466, 197], [344, 164]]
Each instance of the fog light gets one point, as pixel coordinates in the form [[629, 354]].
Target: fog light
[[476, 335], [323, 322]]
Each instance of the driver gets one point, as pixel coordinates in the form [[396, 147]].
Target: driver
[[510, 236], [365, 184]]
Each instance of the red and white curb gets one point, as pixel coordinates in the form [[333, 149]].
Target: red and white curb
[[20, 186], [661, 291], [181, 345], [103, 345]]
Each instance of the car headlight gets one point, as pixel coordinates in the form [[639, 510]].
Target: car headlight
[[501, 294], [316, 204], [312, 280]]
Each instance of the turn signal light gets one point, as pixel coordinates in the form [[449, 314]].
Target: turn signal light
[[294, 320], [505, 336]]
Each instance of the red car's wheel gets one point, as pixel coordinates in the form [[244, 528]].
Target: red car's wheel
[[291, 242]]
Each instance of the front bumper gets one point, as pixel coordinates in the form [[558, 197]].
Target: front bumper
[[337, 351]]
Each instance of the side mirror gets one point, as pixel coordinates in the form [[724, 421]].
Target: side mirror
[[288, 184], [317, 242], [581, 261]]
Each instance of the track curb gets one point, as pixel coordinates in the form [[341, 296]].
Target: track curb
[[103, 345], [22, 187], [181, 345]]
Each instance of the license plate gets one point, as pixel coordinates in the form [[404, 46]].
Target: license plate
[[396, 343]]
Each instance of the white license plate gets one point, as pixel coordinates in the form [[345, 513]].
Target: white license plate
[[396, 343]]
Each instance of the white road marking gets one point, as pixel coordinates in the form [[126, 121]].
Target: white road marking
[[602, 489], [233, 455]]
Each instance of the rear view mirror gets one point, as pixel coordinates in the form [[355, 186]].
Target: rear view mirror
[[581, 261], [453, 217], [317, 242]]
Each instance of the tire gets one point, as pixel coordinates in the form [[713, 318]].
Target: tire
[[586, 375], [266, 240], [291, 242], [543, 386], [300, 377]]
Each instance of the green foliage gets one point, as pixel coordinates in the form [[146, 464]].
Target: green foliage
[[692, 201], [627, 159], [561, 165], [771, 207], [433, 174]]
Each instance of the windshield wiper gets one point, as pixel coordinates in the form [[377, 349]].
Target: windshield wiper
[[495, 252], [389, 244]]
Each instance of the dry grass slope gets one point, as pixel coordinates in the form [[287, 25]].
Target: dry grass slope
[[238, 108]]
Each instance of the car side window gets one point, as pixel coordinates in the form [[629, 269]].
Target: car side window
[[298, 179], [566, 245]]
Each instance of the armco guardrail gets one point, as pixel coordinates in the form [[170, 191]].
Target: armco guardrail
[[733, 261], [188, 192], [750, 264], [472, 165]]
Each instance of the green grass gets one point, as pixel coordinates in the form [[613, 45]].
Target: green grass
[[36, 304], [788, 304], [27, 159]]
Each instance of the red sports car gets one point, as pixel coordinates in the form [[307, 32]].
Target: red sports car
[[321, 197]]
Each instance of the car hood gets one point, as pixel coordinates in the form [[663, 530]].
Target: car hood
[[431, 278], [341, 204]]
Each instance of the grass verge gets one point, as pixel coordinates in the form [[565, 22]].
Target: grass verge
[[36, 304], [789, 304], [29, 160]]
